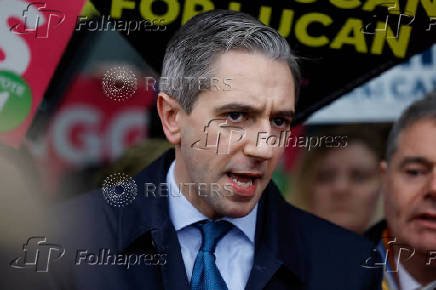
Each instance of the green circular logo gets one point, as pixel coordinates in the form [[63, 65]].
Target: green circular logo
[[15, 100]]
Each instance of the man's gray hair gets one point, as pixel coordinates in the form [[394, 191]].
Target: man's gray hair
[[421, 109], [192, 50]]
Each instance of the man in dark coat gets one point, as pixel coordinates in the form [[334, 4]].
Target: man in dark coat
[[406, 240], [206, 215]]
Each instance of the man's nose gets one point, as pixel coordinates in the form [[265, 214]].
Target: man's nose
[[257, 146]]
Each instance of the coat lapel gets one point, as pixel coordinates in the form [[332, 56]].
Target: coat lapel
[[277, 243], [148, 215], [173, 272]]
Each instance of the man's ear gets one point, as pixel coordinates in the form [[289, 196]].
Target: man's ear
[[170, 111]]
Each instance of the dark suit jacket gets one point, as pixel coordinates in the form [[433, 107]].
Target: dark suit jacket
[[293, 249]]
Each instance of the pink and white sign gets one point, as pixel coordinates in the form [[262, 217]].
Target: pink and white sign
[[33, 37]]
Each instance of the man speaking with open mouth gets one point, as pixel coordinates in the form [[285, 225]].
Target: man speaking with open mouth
[[221, 223]]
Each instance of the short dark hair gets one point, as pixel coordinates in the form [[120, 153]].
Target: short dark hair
[[191, 51], [421, 109]]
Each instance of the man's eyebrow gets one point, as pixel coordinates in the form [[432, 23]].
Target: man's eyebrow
[[237, 107], [289, 114], [415, 159]]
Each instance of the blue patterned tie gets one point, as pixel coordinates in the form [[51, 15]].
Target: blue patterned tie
[[205, 275]]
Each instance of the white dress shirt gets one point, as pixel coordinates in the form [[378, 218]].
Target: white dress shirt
[[407, 282], [234, 252]]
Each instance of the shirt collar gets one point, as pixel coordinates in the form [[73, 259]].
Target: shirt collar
[[182, 213], [406, 280]]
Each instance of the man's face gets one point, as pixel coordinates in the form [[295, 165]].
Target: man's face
[[410, 187], [260, 99]]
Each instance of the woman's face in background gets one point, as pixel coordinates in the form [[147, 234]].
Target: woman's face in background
[[346, 187]]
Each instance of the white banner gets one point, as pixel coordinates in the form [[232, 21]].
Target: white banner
[[385, 97]]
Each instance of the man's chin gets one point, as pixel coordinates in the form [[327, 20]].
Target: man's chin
[[236, 215], [425, 243], [421, 242], [237, 209]]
